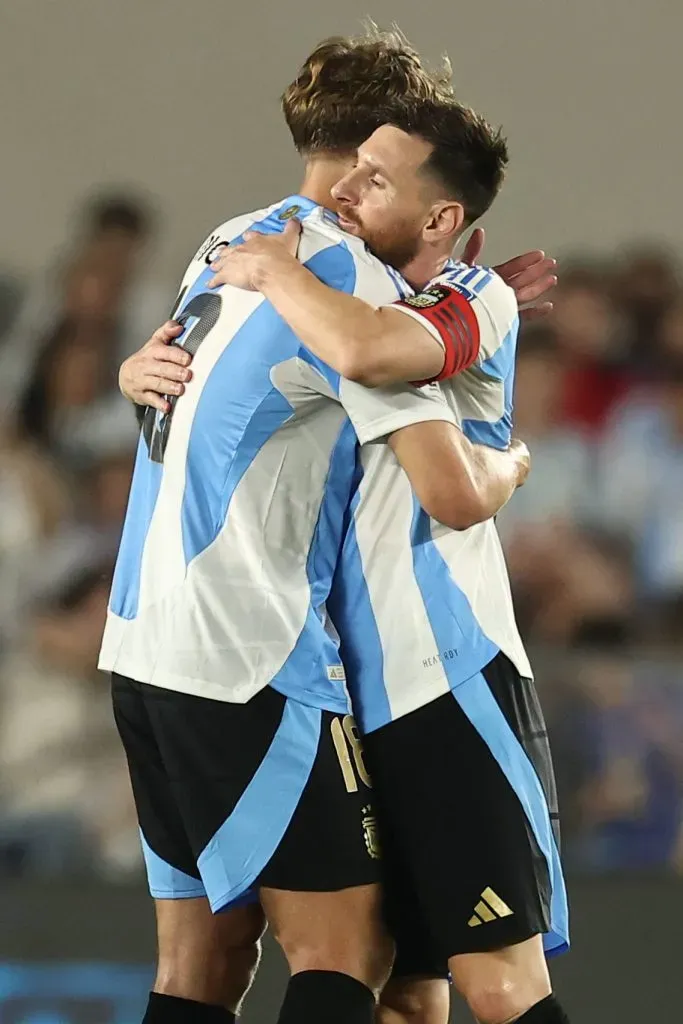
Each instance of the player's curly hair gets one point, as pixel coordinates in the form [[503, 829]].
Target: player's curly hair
[[350, 86]]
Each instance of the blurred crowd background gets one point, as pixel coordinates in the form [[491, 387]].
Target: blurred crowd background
[[594, 542], [183, 104]]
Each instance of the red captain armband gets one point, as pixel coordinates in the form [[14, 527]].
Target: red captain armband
[[454, 318]]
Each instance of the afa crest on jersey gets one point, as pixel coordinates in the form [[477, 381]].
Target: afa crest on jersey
[[428, 298]]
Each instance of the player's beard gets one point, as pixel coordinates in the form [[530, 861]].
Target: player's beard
[[398, 246]]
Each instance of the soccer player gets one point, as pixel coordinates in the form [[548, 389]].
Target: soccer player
[[228, 689], [441, 685]]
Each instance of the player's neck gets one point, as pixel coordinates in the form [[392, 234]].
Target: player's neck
[[320, 175], [427, 265]]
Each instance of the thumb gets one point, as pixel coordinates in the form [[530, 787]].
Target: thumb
[[291, 235], [474, 247]]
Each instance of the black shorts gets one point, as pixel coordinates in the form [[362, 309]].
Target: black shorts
[[466, 800], [231, 797]]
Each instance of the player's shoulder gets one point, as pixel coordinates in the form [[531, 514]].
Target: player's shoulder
[[224, 234], [482, 284]]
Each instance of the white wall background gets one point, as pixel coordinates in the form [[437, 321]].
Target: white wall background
[[181, 98]]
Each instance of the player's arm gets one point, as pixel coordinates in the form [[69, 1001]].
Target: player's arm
[[456, 482], [371, 346]]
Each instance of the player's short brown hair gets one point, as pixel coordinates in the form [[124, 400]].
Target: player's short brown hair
[[350, 86], [469, 156]]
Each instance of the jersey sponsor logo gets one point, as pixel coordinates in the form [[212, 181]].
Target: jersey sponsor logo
[[289, 213], [490, 908], [336, 673], [428, 298]]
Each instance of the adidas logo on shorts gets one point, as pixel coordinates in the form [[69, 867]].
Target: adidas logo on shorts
[[490, 908]]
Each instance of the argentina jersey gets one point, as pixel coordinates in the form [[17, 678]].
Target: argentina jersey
[[421, 607], [236, 512]]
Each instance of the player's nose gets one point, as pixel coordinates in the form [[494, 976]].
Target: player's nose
[[344, 192]]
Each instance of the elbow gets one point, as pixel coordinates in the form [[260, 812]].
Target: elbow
[[354, 368], [359, 363], [456, 510]]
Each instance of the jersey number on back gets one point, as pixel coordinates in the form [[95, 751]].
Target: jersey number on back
[[205, 309]]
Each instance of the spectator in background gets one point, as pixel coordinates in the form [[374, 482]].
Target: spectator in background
[[624, 727], [97, 281], [566, 576], [70, 409], [64, 791], [645, 284], [641, 484], [590, 333]]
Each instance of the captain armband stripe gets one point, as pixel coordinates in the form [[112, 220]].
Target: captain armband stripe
[[453, 316]]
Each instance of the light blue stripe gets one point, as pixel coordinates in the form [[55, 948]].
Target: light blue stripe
[[500, 366], [244, 844], [304, 676], [350, 607], [240, 409], [125, 592], [167, 882], [402, 287], [459, 640], [480, 285], [482, 709], [148, 475], [468, 277]]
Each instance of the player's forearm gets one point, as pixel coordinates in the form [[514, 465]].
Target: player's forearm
[[374, 347], [456, 482], [496, 475]]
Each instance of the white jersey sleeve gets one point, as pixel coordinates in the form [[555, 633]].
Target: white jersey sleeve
[[375, 413], [470, 311], [378, 412]]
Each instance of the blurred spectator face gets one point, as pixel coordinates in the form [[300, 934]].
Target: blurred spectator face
[[646, 282], [76, 373], [585, 321], [93, 290]]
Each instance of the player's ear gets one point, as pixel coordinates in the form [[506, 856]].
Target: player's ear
[[445, 222]]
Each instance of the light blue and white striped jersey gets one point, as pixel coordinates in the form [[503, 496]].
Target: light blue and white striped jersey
[[421, 608], [236, 513]]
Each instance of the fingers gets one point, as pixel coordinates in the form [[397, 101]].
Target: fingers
[[162, 385], [519, 264], [167, 333], [155, 401], [474, 247], [536, 312], [544, 268], [534, 290]]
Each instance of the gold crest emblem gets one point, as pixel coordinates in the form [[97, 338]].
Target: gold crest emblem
[[290, 212], [371, 834]]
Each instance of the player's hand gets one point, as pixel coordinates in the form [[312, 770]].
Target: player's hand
[[474, 247], [531, 276], [523, 457], [245, 265], [159, 368]]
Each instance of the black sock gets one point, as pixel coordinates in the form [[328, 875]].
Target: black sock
[[174, 1010], [548, 1011], [315, 996]]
